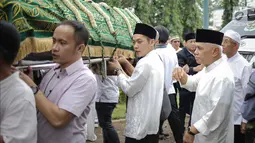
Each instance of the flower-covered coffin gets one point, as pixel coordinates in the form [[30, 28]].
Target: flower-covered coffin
[[110, 28]]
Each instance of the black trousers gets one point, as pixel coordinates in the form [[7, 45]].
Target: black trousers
[[147, 139], [177, 88], [239, 137], [250, 136], [104, 114], [173, 120], [186, 105]]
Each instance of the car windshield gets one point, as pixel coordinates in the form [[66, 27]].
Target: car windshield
[[243, 23]]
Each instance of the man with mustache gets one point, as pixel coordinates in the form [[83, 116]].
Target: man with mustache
[[186, 59], [211, 120]]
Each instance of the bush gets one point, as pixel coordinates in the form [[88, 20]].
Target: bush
[[122, 97]]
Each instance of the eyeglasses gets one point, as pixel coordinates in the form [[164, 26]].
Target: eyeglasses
[[176, 41]]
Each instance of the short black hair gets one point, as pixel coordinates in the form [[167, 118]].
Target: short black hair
[[9, 42], [80, 31], [163, 33]]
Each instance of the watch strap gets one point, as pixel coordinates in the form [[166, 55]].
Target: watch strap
[[35, 89], [191, 133], [116, 70]]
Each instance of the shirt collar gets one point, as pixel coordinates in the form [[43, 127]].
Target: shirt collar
[[9, 78], [189, 51], [233, 57], [160, 46], [213, 65], [72, 68]]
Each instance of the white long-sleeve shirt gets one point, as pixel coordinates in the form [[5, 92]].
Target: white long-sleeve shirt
[[213, 105], [170, 61], [107, 89], [173, 55], [242, 71], [145, 94]]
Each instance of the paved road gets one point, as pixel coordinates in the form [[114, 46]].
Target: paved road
[[119, 126]]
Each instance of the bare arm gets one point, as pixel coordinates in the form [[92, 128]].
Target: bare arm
[[57, 117], [128, 68], [126, 65]]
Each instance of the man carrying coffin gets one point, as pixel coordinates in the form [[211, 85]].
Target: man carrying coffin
[[144, 87]]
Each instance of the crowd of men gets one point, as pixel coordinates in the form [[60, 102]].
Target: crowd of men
[[215, 84]]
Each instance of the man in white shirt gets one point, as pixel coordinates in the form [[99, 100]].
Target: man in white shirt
[[169, 58], [211, 120], [241, 70], [176, 43], [107, 98], [186, 59], [144, 87], [18, 123]]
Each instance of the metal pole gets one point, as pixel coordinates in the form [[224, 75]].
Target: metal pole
[[206, 14], [48, 65]]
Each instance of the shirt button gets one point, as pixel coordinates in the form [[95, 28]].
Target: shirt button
[[57, 76]]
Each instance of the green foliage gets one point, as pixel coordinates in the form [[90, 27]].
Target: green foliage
[[168, 14], [122, 97], [191, 15], [144, 10], [179, 16], [228, 6], [119, 112]]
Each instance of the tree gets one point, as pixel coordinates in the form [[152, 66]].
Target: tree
[[228, 6], [144, 10], [179, 16], [167, 13], [191, 15]]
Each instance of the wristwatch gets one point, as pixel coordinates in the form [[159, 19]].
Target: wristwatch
[[116, 70], [35, 89], [191, 133]]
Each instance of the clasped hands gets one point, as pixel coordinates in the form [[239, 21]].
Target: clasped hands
[[180, 75], [116, 62]]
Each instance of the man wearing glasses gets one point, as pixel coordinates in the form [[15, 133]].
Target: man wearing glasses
[[175, 42]]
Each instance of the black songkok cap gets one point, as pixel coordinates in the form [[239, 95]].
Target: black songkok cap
[[146, 30], [189, 36], [209, 36]]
